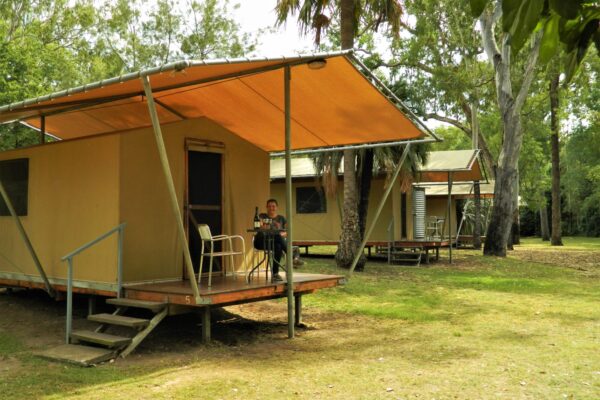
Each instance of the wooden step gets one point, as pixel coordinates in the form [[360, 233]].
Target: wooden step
[[148, 305], [78, 354], [105, 339], [120, 320]]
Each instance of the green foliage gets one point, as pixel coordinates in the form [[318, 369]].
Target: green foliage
[[581, 152], [582, 178], [575, 24], [51, 45], [454, 139]]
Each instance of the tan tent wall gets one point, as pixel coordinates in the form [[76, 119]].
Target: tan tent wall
[[81, 188], [438, 206], [151, 251], [327, 226], [73, 196]]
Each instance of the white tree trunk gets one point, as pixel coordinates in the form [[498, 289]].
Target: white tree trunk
[[510, 109]]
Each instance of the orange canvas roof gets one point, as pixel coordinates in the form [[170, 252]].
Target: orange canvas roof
[[460, 190], [333, 106]]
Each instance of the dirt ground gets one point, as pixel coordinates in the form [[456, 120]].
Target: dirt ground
[[40, 321], [496, 344], [40, 324], [581, 260]]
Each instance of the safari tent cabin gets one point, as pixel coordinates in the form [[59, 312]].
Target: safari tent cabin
[[146, 148], [317, 214], [72, 191]]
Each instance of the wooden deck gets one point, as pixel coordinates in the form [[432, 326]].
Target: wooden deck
[[425, 244], [227, 290], [422, 245]]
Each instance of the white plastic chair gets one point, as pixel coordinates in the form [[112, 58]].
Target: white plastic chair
[[208, 243]]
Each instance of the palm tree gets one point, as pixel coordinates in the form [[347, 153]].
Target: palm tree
[[316, 15], [370, 162]]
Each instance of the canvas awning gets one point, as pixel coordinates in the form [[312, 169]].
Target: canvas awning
[[333, 106], [460, 190], [463, 164]]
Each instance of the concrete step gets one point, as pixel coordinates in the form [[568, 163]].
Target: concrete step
[[78, 354], [104, 339], [136, 323], [148, 305]]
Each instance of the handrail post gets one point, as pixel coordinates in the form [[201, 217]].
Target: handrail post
[[69, 299], [390, 239], [120, 229], [120, 261]]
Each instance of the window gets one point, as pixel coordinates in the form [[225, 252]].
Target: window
[[15, 178], [310, 200]]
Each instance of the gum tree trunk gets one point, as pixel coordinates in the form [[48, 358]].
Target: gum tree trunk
[[477, 222], [510, 108], [544, 223], [556, 239]]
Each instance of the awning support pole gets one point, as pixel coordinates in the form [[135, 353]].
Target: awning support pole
[[25, 238], [450, 175], [287, 76], [42, 129], [164, 161], [379, 208]]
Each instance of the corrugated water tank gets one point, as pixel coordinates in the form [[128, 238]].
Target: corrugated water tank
[[418, 213]]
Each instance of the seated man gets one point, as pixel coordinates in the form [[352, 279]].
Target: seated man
[[279, 241]]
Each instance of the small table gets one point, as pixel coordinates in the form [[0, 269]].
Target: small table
[[269, 241]]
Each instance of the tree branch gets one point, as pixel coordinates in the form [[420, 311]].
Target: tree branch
[[529, 71], [500, 61], [450, 121]]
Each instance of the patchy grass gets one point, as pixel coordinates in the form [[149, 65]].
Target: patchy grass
[[569, 243], [479, 328]]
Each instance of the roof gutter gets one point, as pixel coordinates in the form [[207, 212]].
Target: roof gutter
[[354, 147]]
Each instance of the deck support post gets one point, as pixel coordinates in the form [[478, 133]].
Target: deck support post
[[206, 325], [450, 176], [92, 304], [164, 161], [379, 208], [298, 306], [287, 77], [26, 240]]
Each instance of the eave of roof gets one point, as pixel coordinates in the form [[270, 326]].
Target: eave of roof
[[329, 106]]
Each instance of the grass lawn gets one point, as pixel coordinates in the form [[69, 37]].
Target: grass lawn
[[523, 327]]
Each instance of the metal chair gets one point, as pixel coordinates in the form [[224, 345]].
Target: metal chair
[[433, 227], [208, 243]]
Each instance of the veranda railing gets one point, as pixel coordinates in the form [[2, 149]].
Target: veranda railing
[[69, 259]]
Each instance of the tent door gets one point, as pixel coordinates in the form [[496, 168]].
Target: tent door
[[204, 197]]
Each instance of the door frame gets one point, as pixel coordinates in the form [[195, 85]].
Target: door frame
[[203, 146]]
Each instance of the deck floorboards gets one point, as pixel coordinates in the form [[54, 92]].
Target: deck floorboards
[[227, 290]]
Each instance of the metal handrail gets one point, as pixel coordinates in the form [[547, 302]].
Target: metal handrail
[[69, 259]]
